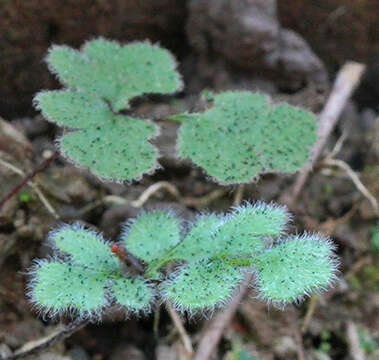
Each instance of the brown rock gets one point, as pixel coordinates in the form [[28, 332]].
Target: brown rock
[[247, 34]]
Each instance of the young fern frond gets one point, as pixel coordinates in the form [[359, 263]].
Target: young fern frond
[[116, 73], [210, 261], [296, 267], [242, 136], [100, 81], [202, 285], [84, 277]]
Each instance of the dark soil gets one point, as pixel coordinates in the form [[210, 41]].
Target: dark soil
[[330, 202]]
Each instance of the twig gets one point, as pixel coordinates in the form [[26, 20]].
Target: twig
[[239, 195], [355, 179], [356, 351], [299, 341], [27, 180], [38, 345], [310, 311], [181, 330], [337, 146], [204, 200], [216, 326], [346, 81], [151, 190]]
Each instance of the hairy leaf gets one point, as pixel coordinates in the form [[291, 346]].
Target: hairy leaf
[[199, 242], [295, 268], [73, 108], [85, 247], [59, 287], [244, 231], [100, 80], [151, 235], [114, 72], [116, 149], [134, 294], [200, 285], [242, 136]]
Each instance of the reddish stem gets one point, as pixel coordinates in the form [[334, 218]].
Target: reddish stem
[[27, 178]]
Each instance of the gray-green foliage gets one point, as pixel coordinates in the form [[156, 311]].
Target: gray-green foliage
[[100, 81], [242, 136], [209, 259], [84, 277]]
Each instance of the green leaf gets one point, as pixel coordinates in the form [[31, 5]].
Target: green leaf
[[241, 137], [85, 247], [72, 108], [199, 242], [244, 231], [117, 149], [59, 287], [151, 235], [375, 239], [100, 80], [202, 285], [295, 268], [134, 294], [114, 72]]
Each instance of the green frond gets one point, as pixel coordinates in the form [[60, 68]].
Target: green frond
[[116, 73], [202, 285], [295, 268], [73, 108], [58, 288], [116, 149], [245, 230], [134, 294], [241, 136], [86, 248], [151, 235], [199, 243]]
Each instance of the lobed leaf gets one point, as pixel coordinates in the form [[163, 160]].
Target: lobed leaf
[[241, 233], [100, 80], [59, 287], [151, 235], [199, 242], [116, 149], [134, 294], [114, 72], [241, 137], [86, 248], [294, 268], [73, 108], [203, 284], [244, 232]]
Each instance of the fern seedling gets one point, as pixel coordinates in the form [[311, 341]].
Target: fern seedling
[[86, 274], [241, 136], [84, 277], [100, 81]]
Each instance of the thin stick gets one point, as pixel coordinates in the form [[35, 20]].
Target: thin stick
[[34, 186], [299, 341], [216, 326], [181, 330], [356, 351], [38, 345], [346, 81], [151, 190], [204, 200], [239, 195], [355, 179], [310, 311]]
